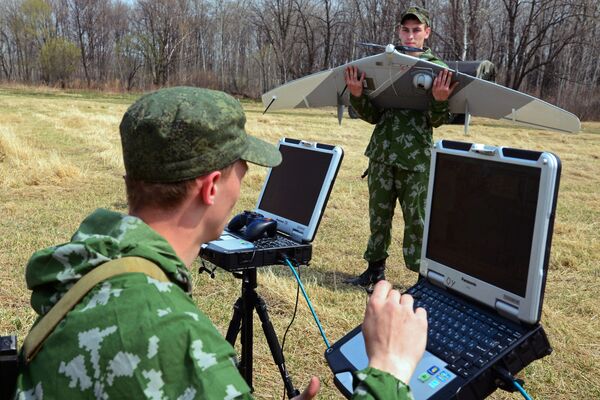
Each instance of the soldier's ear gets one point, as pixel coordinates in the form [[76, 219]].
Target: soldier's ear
[[207, 187]]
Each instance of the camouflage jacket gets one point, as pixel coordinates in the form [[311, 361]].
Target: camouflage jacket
[[132, 336], [402, 137]]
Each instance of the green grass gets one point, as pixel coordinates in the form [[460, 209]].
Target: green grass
[[60, 159], [46, 92]]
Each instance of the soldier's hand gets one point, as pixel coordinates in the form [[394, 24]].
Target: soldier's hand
[[395, 335], [311, 390], [354, 80], [443, 86]]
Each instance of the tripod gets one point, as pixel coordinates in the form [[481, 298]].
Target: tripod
[[243, 315]]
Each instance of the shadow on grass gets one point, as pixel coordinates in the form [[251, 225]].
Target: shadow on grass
[[332, 280]]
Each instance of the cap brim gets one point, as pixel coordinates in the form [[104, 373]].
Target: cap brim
[[420, 18], [261, 153]]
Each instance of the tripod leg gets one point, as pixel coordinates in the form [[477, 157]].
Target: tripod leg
[[274, 346], [248, 301], [235, 323]]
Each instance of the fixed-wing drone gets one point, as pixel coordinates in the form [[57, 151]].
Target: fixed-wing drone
[[397, 80]]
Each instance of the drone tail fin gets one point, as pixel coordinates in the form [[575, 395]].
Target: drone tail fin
[[467, 118], [340, 105], [340, 108], [272, 101]]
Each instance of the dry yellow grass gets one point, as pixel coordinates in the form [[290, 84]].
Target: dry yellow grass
[[60, 159], [23, 165]]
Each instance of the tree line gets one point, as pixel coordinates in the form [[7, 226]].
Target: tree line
[[547, 48]]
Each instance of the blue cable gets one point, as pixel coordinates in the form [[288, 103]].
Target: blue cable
[[308, 302], [523, 392]]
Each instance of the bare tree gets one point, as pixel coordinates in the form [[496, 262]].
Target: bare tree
[[160, 31], [247, 47], [535, 28], [378, 19], [7, 52], [29, 24], [332, 17], [277, 21]]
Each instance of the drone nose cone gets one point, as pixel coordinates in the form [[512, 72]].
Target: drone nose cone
[[390, 48]]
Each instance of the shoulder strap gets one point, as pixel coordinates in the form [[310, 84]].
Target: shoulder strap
[[34, 340]]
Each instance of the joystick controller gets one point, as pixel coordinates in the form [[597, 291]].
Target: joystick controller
[[253, 225]]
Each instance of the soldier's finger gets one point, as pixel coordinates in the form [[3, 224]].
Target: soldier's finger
[[407, 300], [437, 81], [444, 77], [449, 77], [421, 313]]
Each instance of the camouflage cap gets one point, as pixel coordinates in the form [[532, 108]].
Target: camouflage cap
[[180, 133], [418, 12]]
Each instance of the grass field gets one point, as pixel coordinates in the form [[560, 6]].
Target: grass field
[[60, 159]]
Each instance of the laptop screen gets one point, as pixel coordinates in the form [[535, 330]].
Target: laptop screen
[[482, 219], [296, 192], [293, 187]]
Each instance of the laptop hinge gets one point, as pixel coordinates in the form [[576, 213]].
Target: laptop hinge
[[436, 278], [507, 310], [297, 235]]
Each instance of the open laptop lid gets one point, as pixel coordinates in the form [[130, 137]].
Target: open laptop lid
[[488, 227], [295, 193]]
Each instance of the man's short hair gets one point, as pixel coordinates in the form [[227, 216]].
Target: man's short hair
[[166, 196], [418, 13], [180, 133]]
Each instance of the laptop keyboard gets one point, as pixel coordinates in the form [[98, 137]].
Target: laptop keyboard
[[464, 337], [274, 242]]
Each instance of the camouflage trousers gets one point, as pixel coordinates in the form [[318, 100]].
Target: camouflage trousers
[[386, 185]]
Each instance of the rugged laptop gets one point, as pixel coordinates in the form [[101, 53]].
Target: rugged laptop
[[294, 195], [488, 230]]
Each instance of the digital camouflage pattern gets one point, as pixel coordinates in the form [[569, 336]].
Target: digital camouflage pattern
[[401, 140], [386, 184], [372, 383], [180, 133], [419, 12], [132, 336]]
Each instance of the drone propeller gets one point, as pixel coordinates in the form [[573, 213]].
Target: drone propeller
[[377, 46], [408, 49], [400, 48]]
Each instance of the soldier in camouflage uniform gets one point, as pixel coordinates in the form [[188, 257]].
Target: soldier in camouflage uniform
[[131, 336], [399, 154]]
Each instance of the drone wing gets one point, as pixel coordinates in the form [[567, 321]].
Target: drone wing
[[328, 88], [390, 83]]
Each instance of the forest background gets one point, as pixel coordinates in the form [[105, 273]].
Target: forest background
[[544, 48]]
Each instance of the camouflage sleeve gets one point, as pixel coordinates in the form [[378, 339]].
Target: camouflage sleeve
[[365, 109], [371, 383], [439, 113]]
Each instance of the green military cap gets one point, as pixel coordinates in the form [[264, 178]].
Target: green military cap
[[180, 133], [418, 12]]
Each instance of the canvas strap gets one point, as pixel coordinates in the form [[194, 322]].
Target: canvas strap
[[34, 340]]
